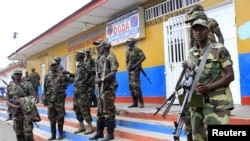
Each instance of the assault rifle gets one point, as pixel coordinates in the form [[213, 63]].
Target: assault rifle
[[4, 82], [169, 101], [145, 75], [186, 85]]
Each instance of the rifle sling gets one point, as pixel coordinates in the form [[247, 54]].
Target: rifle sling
[[200, 69]]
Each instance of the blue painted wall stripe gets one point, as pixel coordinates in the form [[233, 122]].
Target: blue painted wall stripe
[[244, 67], [156, 89]]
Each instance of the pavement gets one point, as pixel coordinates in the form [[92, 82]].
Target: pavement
[[6, 131]]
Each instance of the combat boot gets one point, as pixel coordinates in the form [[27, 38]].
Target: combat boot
[[90, 129], [60, 131], [110, 130], [10, 117], [141, 102], [100, 128], [81, 128], [135, 103], [20, 137], [29, 138], [53, 131]]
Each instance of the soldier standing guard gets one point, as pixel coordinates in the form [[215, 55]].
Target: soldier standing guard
[[35, 81], [106, 79], [22, 124], [81, 104], [134, 58], [90, 66], [55, 83]]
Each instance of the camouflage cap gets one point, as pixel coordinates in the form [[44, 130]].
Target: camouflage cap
[[80, 53], [17, 72], [53, 62], [87, 50], [197, 15], [97, 42], [200, 22], [197, 7], [106, 44], [58, 58], [130, 40]]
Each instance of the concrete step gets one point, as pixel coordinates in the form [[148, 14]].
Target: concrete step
[[132, 123], [127, 127]]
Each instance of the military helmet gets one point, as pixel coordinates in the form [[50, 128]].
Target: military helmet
[[197, 15], [197, 7]]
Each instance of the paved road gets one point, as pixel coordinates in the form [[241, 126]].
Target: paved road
[[6, 131]]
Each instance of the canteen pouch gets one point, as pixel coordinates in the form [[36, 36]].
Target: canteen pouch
[[197, 100]]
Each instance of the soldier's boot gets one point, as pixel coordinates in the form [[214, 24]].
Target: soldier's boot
[[60, 131], [90, 129], [29, 138], [141, 102], [20, 137], [135, 102], [10, 117], [53, 131], [81, 128], [100, 128], [110, 130], [189, 137]]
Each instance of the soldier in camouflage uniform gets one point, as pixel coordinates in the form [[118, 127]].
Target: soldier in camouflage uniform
[[134, 58], [26, 76], [58, 62], [83, 78], [90, 65], [106, 79], [198, 12], [55, 83], [34, 78], [22, 124], [213, 83], [9, 95]]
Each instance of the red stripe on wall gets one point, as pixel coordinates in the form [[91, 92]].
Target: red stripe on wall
[[245, 100], [149, 100]]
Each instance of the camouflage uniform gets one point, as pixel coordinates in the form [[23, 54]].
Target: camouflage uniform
[[9, 95], [54, 96], [90, 66], [218, 102], [81, 98], [34, 78], [106, 111], [22, 124], [133, 55]]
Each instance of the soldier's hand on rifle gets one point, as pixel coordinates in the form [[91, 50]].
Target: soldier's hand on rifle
[[202, 88]]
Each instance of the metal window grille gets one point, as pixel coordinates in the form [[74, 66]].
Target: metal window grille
[[166, 7]]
